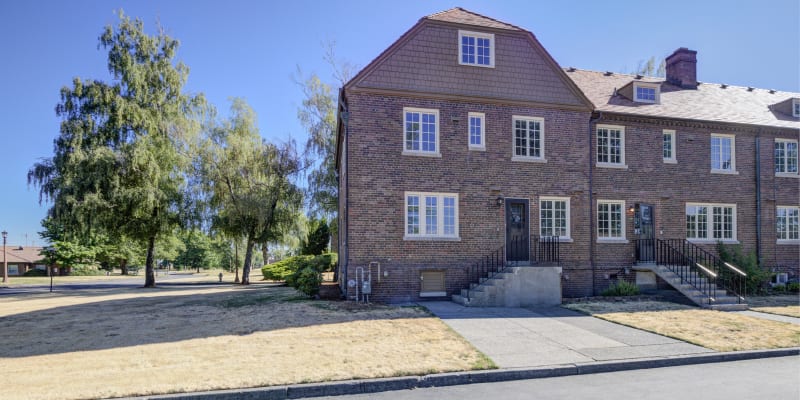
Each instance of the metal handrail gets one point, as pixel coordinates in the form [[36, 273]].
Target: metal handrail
[[546, 248], [682, 256]]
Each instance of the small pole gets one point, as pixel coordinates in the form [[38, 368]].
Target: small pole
[[51, 283]]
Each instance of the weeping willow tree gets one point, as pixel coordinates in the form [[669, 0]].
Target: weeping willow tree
[[120, 160], [249, 182]]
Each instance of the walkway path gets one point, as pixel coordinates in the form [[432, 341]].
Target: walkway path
[[519, 337]]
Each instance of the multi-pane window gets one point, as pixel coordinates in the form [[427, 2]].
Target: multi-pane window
[[787, 222], [645, 94], [476, 48], [785, 156], [711, 221], [554, 217], [476, 131], [696, 222], [610, 219], [528, 137], [421, 128], [723, 153], [431, 215], [668, 147], [610, 145], [796, 107]]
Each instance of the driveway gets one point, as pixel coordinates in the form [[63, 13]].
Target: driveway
[[533, 337]]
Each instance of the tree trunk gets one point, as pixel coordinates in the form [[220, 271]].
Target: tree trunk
[[248, 259], [265, 253], [236, 260], [123, 267], [150, 277]]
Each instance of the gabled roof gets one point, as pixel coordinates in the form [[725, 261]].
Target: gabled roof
[[709, 102], [23, 255], [459, 15]]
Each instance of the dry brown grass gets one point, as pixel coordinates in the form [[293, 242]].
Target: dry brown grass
[[789, 311], [111, 343], [716, 330]]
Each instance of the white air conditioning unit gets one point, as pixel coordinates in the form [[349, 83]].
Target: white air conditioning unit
[[780, 279]]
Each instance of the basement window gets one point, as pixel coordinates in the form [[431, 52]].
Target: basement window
[[432, 284]]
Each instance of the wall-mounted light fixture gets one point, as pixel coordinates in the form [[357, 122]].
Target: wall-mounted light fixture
[[499, 201], [630, 210]]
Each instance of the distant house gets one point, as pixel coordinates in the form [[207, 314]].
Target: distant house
[[465, 148], [23, 259]]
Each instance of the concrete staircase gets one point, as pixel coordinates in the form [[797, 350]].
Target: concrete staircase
[[517, 286], [721, 300]]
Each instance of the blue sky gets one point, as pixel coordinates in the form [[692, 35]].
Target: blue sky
[[251, 49]]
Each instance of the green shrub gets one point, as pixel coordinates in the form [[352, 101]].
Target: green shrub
[[306, 280], [35, 272], [793, 287], [85, 270], [279, 271], [621, 288], [757, 280], [779, 288]]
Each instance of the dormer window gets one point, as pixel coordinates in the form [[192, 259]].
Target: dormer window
[[476, 49], [645, 93], [796, 107]]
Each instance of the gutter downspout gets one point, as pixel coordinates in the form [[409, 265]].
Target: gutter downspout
[[592, 120], [346, 247], [758, 198]]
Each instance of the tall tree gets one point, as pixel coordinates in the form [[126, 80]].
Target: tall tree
[[249, 181], [119, 161], [649, 68], [318, 116]]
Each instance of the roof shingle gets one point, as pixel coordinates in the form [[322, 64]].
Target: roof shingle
[[709, 102], [459, 15]]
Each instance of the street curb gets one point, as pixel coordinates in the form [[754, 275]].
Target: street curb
[[366, 386]]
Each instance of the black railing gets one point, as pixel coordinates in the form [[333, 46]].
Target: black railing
[[517, 249], [546, 249], [697, 267], [487, 267]]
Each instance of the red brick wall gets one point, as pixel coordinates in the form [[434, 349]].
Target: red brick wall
[[380, 174]]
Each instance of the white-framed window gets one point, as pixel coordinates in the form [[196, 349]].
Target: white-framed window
[[711, 222], [787, 223], [13, 269], [610, 220], [476, 131], [421, 131], [554, 217], [786, 157], [611, 146], [796, 107], [669, 147], [431, 215], [645, 93], [723, 153], [476, 48], [528, 139]]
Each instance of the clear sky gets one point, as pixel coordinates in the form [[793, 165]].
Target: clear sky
[[251, 49]]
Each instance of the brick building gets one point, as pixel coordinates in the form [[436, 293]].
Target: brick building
[[465, 141]]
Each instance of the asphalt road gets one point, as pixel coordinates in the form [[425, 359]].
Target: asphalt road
[[762, 379]]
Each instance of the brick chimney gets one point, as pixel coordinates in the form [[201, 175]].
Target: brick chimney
[[682, 68]]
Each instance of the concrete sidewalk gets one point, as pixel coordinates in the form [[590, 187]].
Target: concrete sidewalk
[[534, 337]]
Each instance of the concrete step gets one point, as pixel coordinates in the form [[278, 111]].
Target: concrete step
[[729, 307], [460, 299]]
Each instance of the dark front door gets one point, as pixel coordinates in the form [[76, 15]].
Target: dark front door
[[644, 228], [517, 235]]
